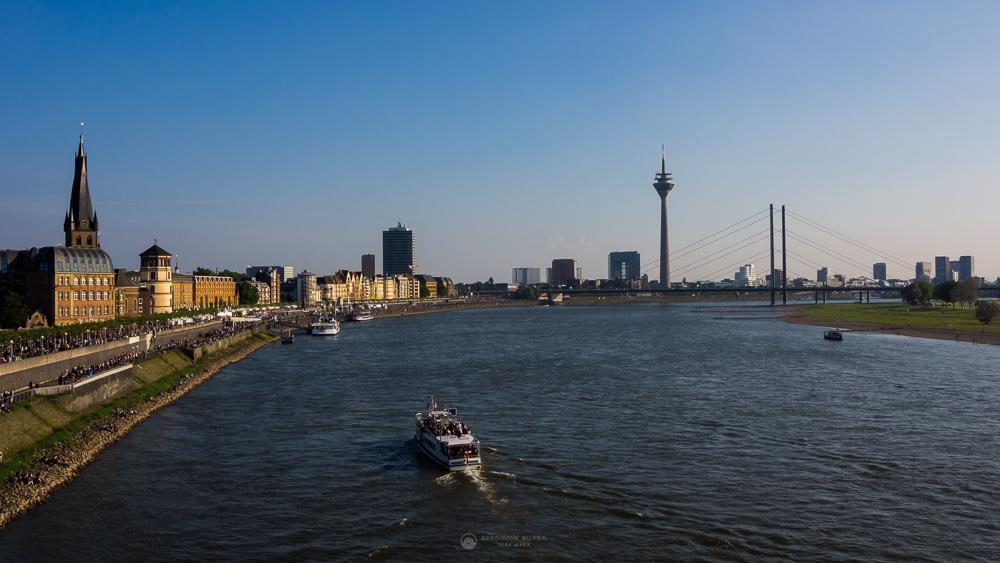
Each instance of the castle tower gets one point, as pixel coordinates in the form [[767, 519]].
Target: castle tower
[[154, 270], [664, 183], [80, 225]]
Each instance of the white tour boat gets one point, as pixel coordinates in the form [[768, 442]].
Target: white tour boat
[[442, 436], [326, 325], [361, 315]]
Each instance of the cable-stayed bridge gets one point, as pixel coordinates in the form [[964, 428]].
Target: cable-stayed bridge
[[790, 246]]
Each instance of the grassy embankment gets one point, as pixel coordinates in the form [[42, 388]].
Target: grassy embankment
[[901, 314], [37, 424]]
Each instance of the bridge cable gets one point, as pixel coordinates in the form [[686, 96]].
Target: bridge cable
[[848, 239], [646, 268]]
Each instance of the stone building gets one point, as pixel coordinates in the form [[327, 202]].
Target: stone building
[[214, 291], [65, 284]]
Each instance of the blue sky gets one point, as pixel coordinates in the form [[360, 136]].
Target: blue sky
[[504, 134]]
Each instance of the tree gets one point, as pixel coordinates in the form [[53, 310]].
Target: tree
[[237, 276], [966, 291], [13, 310], [248, 293], [918, 293], [986, 310], [199, 271], [942, 291], [442, 290], [526, 292], [425, 291]]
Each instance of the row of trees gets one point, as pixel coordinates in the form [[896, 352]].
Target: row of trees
[[965, 292]]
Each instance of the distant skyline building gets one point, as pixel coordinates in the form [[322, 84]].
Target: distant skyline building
[[942, 269], [307, 290], [563, 270], [779, 278], [823, 275], [399, 250], [368, 265], [527, 276], [923, 272], [663, 184], [746, 277], [966, 267], [878, 271], [286, 273], [623, 265]]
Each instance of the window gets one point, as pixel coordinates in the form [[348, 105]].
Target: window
[[59, 264], [90, 241], [91, 295], [76, 295], [76, 281], [140, 300], [105, 309], [78, 241], [91, 311], [76, 311]]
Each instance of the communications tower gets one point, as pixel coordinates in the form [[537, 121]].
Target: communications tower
[[663, 184]]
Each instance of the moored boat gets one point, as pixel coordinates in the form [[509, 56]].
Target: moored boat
[[325, 325], [361, 315], [442, 436], [833, 335]]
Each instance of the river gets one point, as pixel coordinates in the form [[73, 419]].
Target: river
[[634, 432]]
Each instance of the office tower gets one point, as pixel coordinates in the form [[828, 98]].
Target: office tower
[[623, 265], [923, 272], [746, 277], [966, 267], [527, 276], [878, 271], [942, 269], [368, 265], [563, 270], [823, 276], [399, 250]]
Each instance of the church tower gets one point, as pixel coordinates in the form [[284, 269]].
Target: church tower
[[80, 225]]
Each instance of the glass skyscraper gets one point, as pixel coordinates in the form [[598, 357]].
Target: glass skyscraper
[[399, 250]]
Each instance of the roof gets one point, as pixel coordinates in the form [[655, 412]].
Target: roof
[[155, 250], [58, 259]]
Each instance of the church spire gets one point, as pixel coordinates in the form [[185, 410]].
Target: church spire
[[80, 225]]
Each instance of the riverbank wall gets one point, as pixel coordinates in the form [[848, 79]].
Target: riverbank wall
[[40, 369]]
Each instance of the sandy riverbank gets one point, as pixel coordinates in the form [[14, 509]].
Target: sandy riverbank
[[17, 498], [801, 318]]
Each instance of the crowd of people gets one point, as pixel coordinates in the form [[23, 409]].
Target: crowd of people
[[78, 373], [14, 351], [29, 478], [446, 427]]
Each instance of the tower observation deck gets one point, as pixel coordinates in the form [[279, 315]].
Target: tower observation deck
[[663, 184]]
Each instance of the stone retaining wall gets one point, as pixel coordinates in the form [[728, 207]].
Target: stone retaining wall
[[211, 348], [94, 393], [16, 375]]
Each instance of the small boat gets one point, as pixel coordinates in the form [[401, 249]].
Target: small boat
[[290, 339], [325, 325], [833, 335], [361, 315], [442, 436]]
